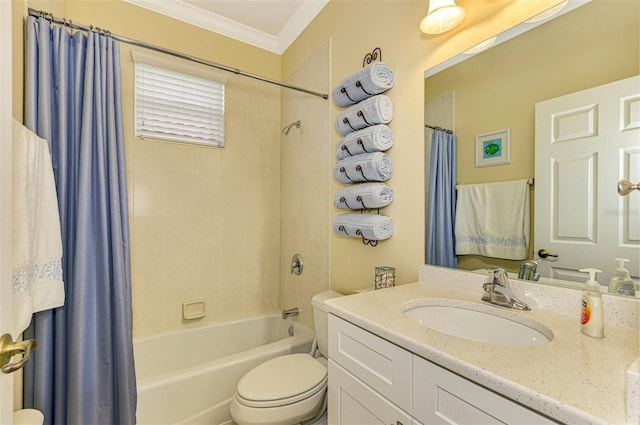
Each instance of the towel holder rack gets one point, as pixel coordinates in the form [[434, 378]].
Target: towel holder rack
[[359, 142], [370, 57], [530, 182], [365, 241], [343, 170]]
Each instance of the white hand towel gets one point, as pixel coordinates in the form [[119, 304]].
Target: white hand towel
[[377, 138], [37, 244], [370, 226], [369, 81], [492, 220], [374, 110], [368, 167], [363, 196]]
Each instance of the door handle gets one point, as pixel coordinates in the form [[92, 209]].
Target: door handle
[[543, 253], [9, 348]]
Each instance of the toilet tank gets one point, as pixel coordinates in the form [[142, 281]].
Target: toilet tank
[[321, 319]]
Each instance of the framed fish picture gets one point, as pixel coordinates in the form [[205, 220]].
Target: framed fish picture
[[493, 148]]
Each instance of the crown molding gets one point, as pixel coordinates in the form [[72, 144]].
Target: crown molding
[[193, 15]]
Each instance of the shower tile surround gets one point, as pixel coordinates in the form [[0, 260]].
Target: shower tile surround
[[574, 379], [306, 200], [205, 221], [223, 224]]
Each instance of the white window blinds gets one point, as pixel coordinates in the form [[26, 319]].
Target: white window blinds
[[177, 106]]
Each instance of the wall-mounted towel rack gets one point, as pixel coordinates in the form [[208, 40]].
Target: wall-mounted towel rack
[[365, 241], [530, 182], [434, 127], [370, 57], [356, 207]]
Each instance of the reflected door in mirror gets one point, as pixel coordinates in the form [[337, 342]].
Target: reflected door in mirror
[[585, 143]]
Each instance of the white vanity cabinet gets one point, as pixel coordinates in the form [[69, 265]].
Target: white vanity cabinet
[[442, 397], [372, 381]]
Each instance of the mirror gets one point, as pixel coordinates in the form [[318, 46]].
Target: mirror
[[586, 46]]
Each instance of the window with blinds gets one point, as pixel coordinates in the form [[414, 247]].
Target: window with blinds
[[176, 106]]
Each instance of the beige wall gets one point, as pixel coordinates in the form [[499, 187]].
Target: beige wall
[[356, 28], [499, 88]]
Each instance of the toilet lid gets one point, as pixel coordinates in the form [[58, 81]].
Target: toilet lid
[[280, 379]]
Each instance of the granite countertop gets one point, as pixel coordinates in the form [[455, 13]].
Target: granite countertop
[[573, 379]]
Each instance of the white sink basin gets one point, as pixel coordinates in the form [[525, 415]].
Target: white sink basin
[[478, 322]]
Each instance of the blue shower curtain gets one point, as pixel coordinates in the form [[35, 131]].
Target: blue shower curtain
[[440, 238], [82, 371]]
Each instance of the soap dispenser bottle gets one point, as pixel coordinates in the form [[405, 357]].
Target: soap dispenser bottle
[[621, 283], [592, 318]]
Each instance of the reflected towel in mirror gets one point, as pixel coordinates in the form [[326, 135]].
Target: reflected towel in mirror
[[492, 219]]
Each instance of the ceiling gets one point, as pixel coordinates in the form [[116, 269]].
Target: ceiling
[[268, 24]]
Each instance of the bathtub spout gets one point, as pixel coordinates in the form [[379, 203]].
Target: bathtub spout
[[291, 312]]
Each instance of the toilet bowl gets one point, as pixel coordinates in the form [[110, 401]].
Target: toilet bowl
[[289, 389]]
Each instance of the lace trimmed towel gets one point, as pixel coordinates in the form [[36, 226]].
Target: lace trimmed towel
[[366, 82], [37, 244], [492, 220], [377, 138], [374, 110]]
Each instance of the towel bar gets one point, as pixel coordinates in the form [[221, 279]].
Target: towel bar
[[530, 182]]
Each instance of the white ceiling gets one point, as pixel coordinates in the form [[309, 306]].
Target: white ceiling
[[268, 24]]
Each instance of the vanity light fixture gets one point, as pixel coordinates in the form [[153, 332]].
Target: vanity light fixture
[[481, 47], [547, 13], [442, 16]]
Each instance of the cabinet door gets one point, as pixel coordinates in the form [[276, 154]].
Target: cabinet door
[[351, 402], [383, 366], [442, 397]]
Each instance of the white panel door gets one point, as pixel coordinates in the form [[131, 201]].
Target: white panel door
[[6, 381], [585, 143]]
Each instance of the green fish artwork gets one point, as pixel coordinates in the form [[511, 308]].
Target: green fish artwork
[[492, 148]]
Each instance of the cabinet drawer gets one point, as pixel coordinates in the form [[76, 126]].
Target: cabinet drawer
[[352, 402], [442, 397], [380, 364]]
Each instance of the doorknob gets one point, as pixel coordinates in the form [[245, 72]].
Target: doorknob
[[8, 349], [625, 187], [543, 253]]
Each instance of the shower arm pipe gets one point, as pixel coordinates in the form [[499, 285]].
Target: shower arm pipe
[[66, 22]]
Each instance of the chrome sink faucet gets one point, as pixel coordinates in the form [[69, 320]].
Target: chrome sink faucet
[[498, 291]]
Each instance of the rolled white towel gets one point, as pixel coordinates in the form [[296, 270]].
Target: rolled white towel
[[369, 81], [374, 110], [368, 167], [370, 226], [363, 196], [377, 138]]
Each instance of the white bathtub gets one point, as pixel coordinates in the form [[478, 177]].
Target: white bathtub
[[189, 377]]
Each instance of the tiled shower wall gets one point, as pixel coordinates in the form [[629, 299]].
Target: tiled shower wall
[[307, 158], [205, 222]]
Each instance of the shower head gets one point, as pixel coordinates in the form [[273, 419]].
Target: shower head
[[287, 128]]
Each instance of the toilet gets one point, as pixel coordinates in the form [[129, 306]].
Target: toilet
[[289, 389]]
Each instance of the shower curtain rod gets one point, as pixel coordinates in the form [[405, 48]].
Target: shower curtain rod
[[67, 22]]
